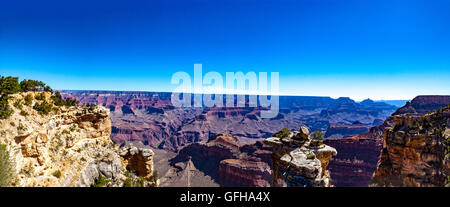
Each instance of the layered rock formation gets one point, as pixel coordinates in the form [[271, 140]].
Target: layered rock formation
[[358, 155], [344, 130], [416, 151], [69, 146], [296, 162], [149, 117], [228, 162]]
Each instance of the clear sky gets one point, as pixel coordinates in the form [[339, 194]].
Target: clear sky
[[379, 49]]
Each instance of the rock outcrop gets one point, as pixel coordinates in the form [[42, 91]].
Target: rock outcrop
[[416, 151], [358, 155], [298, 163], [69, 146]]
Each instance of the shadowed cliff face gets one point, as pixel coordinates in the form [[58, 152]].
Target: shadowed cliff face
[[150, 118], [358, 155]]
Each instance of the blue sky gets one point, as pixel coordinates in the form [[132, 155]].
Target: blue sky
[[361, 49]]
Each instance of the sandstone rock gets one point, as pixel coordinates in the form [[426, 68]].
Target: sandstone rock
[[299, 164], [71, 147], [419, 158], [358, 155]]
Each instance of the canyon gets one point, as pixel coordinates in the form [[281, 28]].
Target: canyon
[[178, 133], [209, 146]]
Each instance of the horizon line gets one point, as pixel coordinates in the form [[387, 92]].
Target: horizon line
[[298, 95]]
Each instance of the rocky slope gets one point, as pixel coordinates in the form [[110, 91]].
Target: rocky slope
[[358, 155], [297, 162], [416, 150], [69, 146]]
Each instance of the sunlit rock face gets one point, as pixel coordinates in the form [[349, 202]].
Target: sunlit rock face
[[358, 155], [70, 146], [416, 151], [297, 163]]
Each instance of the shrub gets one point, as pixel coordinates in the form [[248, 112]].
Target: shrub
[[57, 174], [28, 100], [34, 85], [283, 133], [43, 108], [310, 156], [5, 110], [18, 104], [101, 181], [59, 101], [9, 85], [40, 97], [71, 102], [21, 127], [23, 113], [6, 167], [317, 138]]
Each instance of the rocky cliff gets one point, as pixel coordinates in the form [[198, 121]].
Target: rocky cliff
[[298, 161], [358, 155], [416, 151], [228, 162], [69, 146]]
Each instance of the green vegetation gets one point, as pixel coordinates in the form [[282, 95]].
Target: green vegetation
[[317, 138], [415, 125], [57, 174], [8, 85], [101, 181], [28, 100], [133, 182], [285, 132], [40, 97], [6, 167], [23, 113], [310, 156], [18, 104], [5, 110], [59, 101], [34, 85], [20, 128], [43, 108], [155, 176]]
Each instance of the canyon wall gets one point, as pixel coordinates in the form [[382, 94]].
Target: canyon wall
[[416, 151], [150, 118], [358, 155], [68, 146]]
